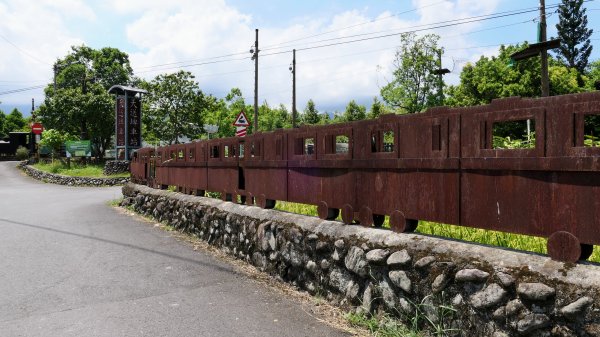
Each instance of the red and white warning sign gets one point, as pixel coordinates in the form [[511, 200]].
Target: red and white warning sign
[[241, 131], [241, 120]]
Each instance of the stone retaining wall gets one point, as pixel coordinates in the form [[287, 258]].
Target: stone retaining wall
[[67, 180], [116, 167], [479, 290]]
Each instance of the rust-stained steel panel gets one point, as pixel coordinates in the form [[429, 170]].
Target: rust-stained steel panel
[[440, 165]]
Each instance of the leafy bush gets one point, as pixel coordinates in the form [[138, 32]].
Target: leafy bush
[[22, 153]]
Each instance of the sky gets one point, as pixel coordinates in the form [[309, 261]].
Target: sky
[[196, 35]]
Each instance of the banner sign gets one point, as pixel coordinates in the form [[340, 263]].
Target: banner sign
[[79, 148]]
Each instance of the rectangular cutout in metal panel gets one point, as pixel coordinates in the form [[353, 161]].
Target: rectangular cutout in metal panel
[[436, 137], [591, 131], [514, 134]]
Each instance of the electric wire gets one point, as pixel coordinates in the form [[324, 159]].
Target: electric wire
[[22, 90], [442, 24]]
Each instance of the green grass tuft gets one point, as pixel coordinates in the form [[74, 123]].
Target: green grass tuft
[[77, 170], [486, 237], [380, 327]]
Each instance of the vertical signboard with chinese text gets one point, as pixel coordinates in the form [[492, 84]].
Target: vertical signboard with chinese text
[[120, 123], [134, 134]]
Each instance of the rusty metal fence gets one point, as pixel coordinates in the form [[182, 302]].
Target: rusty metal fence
[[444, 165]]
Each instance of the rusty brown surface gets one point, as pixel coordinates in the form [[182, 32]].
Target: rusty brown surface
[[438, 166]]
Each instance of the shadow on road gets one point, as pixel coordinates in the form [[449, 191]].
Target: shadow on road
[[122, 244]]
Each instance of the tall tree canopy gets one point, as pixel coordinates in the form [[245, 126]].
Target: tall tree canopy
[[496, 77], [173, 107], [2, 124], [79, 103], [414, 86], [354, 112], [575, 47], [15, 122], [311, 114]]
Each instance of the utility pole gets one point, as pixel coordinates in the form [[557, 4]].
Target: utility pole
[[440, 72], [539, 49], [255, 57], [293, 69], [544, 52]]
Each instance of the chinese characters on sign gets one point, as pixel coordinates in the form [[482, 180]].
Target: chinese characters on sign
[[134, 135], [121, 121], [128, 120]]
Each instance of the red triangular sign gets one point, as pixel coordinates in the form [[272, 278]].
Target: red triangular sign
[[241, 120]]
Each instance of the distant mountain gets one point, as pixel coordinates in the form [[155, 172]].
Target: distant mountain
[[24, 108]]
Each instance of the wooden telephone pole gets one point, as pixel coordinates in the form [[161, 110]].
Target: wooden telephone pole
[[544, 52], [540, 49], [256, 83], [293, 69]]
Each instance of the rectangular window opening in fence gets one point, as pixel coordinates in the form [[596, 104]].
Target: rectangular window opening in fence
[[382, 141], [309, 146], [241, 155], [342, 144], [388, 141], [591, 131], [226, 151], [255, 149], [192, 154], [214, 153], [515, 134], [180, 154]]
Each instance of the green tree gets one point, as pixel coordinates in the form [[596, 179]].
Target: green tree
[[173, 107], [575, 47], [414, 86], [593, 75], [496, 77], [354, 112], [377, 109], [80, 103], [311, 114], [2, 124], [270, 119], [222, 112], [15, 121], [55, 139]]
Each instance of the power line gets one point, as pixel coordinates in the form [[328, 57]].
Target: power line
[[456, 21], [192, 65], [411, 31], [442, 24], [180, 62], [355, 25], [23, 51], [21, 90]]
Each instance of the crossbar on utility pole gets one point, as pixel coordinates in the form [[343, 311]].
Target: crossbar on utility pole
[[256, 83], [540, 49]]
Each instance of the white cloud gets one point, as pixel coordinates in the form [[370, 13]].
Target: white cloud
[[196, 30], [34, 34], [191, 30]]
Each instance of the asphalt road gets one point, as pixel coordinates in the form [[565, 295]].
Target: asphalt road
[[71, 265]]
